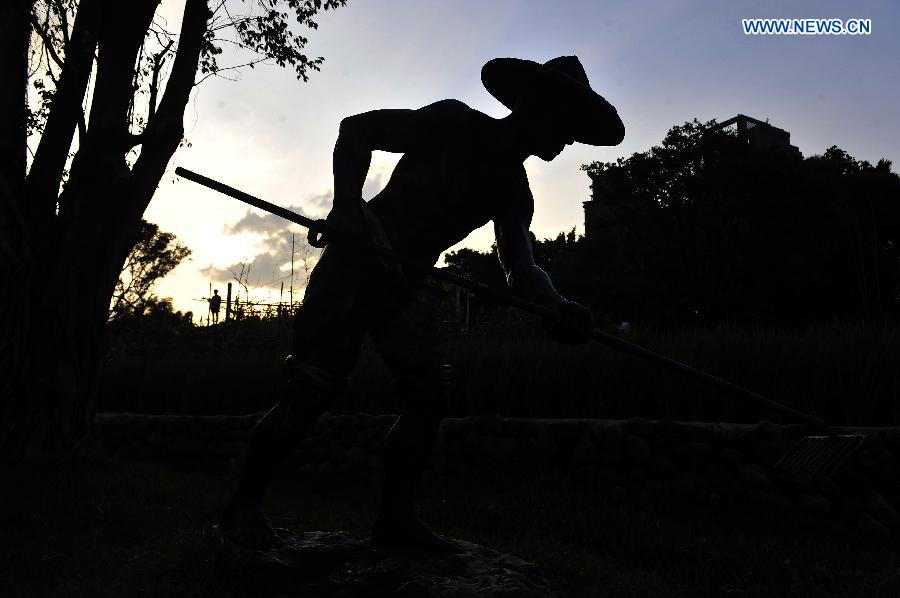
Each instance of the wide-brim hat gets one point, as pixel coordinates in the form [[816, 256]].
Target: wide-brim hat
[[592, 119]]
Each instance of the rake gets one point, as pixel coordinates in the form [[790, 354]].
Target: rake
[[820, 454]]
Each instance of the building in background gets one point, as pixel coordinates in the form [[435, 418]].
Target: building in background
[[761, 135], [604, 207]]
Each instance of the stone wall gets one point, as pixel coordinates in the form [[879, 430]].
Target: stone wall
[[702, 462]]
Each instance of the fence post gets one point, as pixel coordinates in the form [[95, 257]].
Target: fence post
[[228, 304], [292, 273]]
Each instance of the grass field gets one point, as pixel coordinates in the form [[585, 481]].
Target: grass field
[[119, 528], [845, 372]]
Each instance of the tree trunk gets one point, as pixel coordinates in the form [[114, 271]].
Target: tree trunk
[[50, 159], [16, 258], [57, 346]]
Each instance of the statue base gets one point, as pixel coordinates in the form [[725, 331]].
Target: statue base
[[334, 564]]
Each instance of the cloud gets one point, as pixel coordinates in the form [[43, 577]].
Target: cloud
[[273, 264], [270, 226], [266, 225], [269, 268], [321, 203]]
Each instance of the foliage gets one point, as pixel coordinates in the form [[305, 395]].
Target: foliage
[[156, 254], [560, 256], [153, 325], [260, 31], [480, 266], [512, 368], [92, 103], [707, 225], [267, 34]]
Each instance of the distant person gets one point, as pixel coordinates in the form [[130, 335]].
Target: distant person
[[215, 302], [460, 169]]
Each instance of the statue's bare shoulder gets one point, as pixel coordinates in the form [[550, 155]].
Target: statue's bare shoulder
[[407, 130]]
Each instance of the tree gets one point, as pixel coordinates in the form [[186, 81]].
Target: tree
[[155, 326], [481, 266], [73, 219], [707, 224], [154, 255], [560, 257]]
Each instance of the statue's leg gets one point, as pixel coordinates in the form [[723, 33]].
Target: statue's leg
[[327, 335], [407, 453], [411, 345], [279, 431]]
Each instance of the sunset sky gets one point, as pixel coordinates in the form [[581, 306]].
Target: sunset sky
[[659, 62]]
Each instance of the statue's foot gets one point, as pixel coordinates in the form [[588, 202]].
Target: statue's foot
[[409, 531], [249, 528]]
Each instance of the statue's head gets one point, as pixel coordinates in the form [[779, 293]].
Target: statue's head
[[544, 130], [553, 103]]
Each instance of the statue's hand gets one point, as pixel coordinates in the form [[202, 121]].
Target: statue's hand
[[572, 323], [346, 221], [353, 220]]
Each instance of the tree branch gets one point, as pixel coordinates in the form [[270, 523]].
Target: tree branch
[[65, 114], [218, 71], [101, 154], [45, 37], [158, 60], [165, 131], [14, 34], [64, 20]]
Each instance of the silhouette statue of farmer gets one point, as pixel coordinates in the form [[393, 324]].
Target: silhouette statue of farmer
[[215, 302], [460, 169]]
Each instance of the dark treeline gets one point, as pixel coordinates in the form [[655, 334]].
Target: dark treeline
[[706, 227], [739, 260]]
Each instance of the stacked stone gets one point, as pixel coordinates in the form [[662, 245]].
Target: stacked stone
[[700, 462], [716, 463], [486, 442], [345, 445], [188, 441]]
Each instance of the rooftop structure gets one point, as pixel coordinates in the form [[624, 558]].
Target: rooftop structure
[[761, 135], [604, 207]]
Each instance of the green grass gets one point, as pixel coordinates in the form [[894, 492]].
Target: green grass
[[845, 372], [118, 528]]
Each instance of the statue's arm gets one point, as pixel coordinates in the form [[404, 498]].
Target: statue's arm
[[516, 255], [388, 130], [569, 322]]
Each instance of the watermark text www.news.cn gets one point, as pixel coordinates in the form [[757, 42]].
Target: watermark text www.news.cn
[[807, 26]]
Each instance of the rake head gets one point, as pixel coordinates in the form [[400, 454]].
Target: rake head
[[819, 454]]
